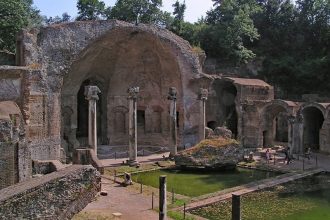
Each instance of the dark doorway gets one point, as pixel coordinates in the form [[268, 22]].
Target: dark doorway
[[82, 111], [226, 106], [141, 120], [313, 121], [212, 124]]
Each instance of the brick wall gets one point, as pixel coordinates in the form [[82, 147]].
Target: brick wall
[[8, 164]]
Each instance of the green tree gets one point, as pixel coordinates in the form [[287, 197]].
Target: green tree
[[90, 10], [13, 17], [57, 19], [145, 11], [33, 14], [294, 42], [179, 10], [230, 26]]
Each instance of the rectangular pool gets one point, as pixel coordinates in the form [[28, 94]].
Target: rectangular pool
[[196, 183], [305, 199]]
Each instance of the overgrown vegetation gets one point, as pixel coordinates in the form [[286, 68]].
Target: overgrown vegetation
[[215, 142]]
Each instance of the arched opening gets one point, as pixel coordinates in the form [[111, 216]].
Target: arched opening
[[82, 113], [123, 58], [212, 124], [275, 126], [313, 121], [226, 114]]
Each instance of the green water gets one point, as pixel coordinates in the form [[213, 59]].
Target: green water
[[199, 183], [307, 199]]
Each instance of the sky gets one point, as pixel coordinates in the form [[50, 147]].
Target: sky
[[51, 8]]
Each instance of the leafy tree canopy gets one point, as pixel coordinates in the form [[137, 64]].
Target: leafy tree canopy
[[145, 11], [90, 10], [15, 15], [230, 25]]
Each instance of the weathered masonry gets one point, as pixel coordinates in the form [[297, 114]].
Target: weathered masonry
[[55, 63]]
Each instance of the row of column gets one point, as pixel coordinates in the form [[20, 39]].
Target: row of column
[[91, 94]]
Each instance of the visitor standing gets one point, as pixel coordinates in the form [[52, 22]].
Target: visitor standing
[[267, 154]]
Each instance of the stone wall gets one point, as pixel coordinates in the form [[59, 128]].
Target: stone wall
[[15, 159], [8, 164], [58, 195]]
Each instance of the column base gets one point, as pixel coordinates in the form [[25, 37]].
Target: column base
[[171, 156], [133, 163]]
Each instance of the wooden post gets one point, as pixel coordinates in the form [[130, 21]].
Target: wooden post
[[141, 188], [152, 200], [162, 198], [184, 210], [236, 207], [114, 176]]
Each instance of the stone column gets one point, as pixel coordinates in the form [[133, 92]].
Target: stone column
[[298, 134], [291, 120], [132, 124], [202, 97], [91, 94], [173, 122]]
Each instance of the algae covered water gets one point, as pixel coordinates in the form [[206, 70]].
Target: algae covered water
[[306, 199], [196, 183]]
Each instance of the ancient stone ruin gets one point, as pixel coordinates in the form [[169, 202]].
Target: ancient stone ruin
[[44, 113]]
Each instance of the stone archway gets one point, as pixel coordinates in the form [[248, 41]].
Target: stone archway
[[121, 59], [313, 122], [68, 54], [275, 126], [226, 113]]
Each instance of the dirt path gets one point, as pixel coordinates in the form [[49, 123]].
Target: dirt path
[[132, 205]]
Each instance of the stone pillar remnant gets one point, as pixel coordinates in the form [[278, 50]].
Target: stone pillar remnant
[[202, 96], [91, 94], [173, 122], [132, 123], [291, 120], [162, 198], [298, 134]]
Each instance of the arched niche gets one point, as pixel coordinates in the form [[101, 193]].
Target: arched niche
[[313, 122], [121, 59], [225, 106]]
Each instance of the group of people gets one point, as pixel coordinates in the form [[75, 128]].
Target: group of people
[[288, 157]]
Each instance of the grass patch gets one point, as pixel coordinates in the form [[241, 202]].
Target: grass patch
[[179, 215], [110, 171]]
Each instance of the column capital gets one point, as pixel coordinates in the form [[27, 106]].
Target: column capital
[[300, 118], [91, 92], [202, 95], [133, 92], [291, 119], [172, 93]]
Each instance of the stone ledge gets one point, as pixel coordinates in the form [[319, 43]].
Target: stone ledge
[[58, 195]]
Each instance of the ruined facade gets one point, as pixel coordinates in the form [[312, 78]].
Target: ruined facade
[[55, 63]]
